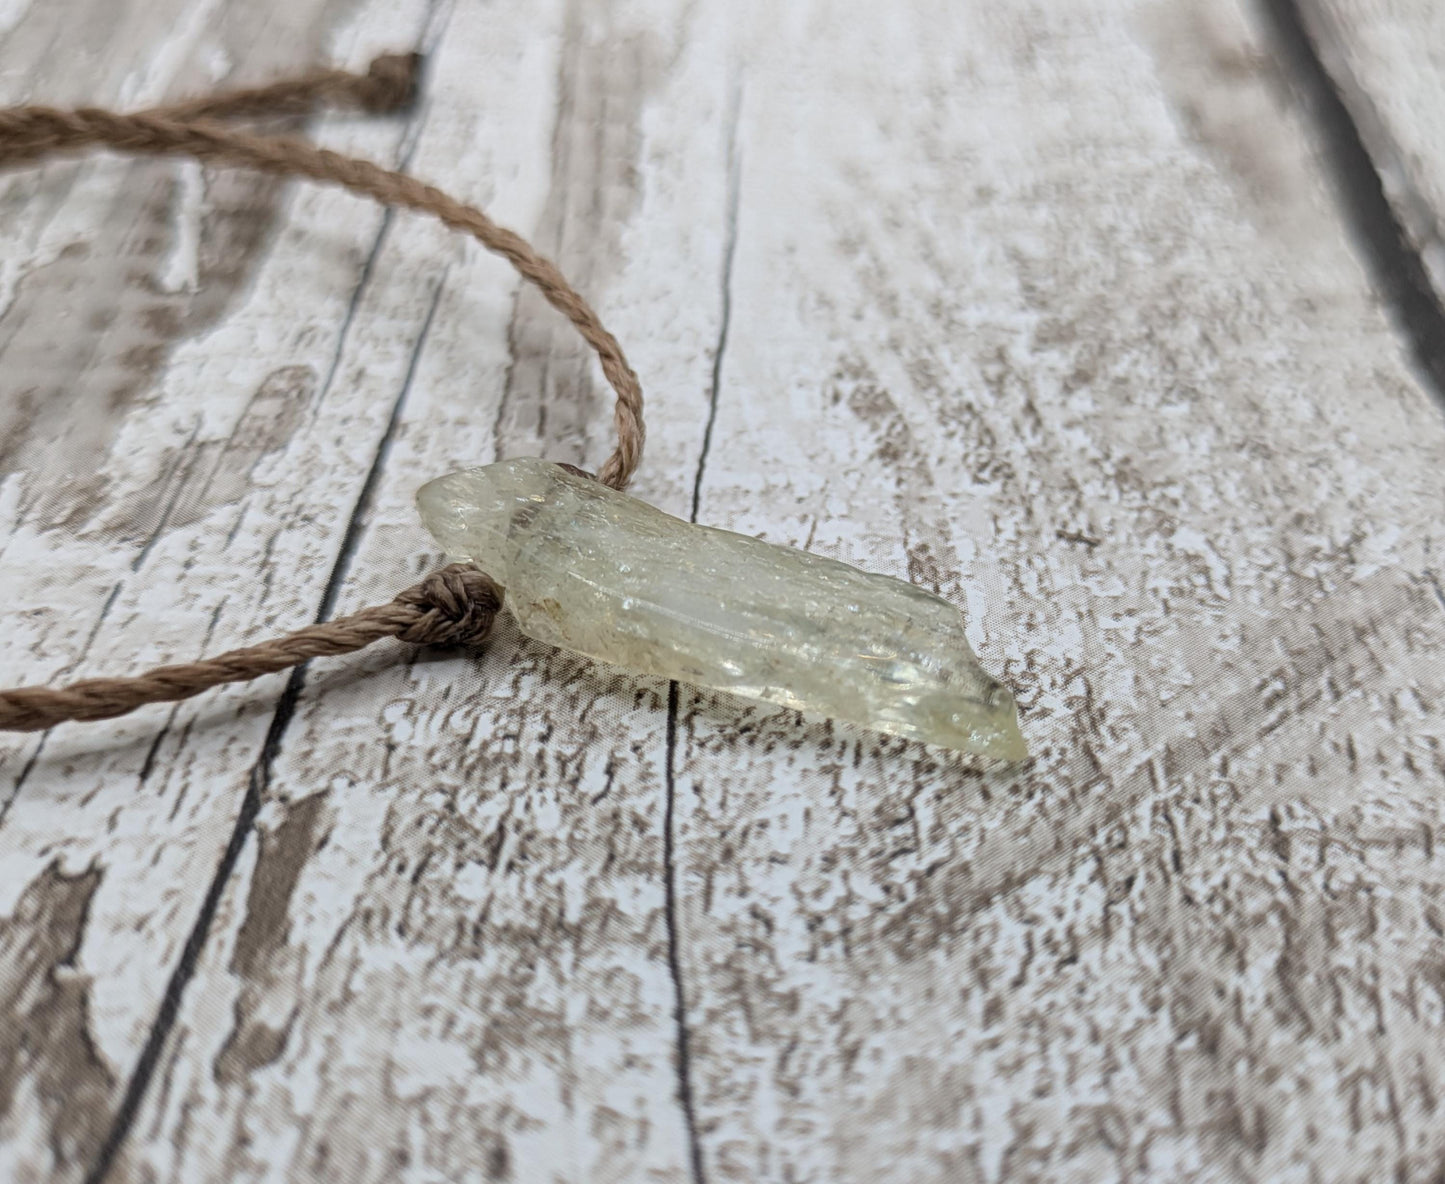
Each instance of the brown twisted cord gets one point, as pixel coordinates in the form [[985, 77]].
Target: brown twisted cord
[[389, 84], [454, 606], [28, 132]]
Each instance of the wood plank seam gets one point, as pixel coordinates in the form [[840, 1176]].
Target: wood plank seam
[[730, 243], [256, 788], [1347, 42], [259, 779], [1390, 253], [682, 1040], [669, 831]]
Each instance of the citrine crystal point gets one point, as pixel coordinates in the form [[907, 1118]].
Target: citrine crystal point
[[593, 570]]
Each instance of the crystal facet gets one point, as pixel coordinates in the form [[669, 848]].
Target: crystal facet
[[599, 572]]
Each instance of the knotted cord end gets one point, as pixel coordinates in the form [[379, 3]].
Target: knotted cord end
[[459, 604], [393, 81]]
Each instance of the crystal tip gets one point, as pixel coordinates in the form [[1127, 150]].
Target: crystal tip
[[999, 737]]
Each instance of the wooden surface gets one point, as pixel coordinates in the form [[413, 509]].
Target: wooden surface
[[1047, 307], [1387, 58]]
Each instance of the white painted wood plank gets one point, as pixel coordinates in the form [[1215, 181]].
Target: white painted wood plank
[[1032, 279], [448, 955]]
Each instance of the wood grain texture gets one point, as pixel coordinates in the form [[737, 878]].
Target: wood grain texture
[[1044, 307]]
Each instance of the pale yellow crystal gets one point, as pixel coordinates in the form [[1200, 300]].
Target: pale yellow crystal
[[599, 572]]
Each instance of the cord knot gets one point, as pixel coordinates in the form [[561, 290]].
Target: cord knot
[[391, 82], [458, 603]]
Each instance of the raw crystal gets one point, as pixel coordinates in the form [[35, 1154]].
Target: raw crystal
[[599, 572]]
